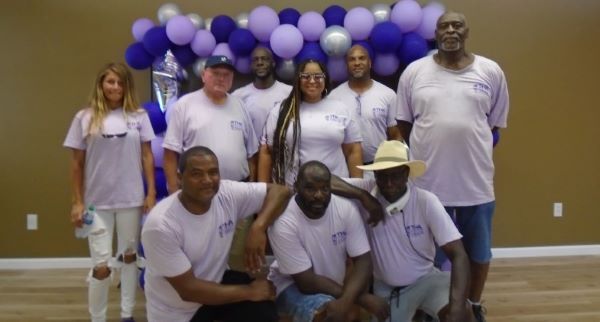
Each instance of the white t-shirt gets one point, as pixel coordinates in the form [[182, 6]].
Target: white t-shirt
[[452, 114], [176, 240], [259, 102], [300, 243], [395, 261], [376, 111], [226, 129], [113, 158], [326, 125]]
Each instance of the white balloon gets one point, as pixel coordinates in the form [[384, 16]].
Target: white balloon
[[167, 11], [207, 23], [381, 12], [196, 20], [198, 66], [242, 20]]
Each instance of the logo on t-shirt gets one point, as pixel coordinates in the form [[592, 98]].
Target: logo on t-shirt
[[414, 230], [335, 118], [379, 111], [236, 125], [338, 238], [133, 125], [226, 228], [481, 87]]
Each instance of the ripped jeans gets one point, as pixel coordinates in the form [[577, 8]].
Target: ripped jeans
[[100, 242]]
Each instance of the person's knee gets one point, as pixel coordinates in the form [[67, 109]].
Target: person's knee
[[101, 272], [129, 258]]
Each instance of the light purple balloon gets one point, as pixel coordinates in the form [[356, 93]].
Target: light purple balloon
[[157, 150], [286, 41], [203, 43], [139, 28], [312, 25], [407, 15], [337, 68], [180, 30], [385, 64], [223, 49], [242, 64], [359, 22], [262, 21], [431, 13]]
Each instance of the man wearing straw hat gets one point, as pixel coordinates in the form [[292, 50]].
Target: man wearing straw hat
[[403, 246]]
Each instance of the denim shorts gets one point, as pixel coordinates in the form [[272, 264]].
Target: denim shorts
[[301, 307], [475, 224]]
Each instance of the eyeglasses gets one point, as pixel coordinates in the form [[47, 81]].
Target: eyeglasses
[[317, 77], [110, 136]]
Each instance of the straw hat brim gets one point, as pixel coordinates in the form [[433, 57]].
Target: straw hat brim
[[417, 167]]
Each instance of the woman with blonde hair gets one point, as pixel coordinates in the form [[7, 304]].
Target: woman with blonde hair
[[309, 126], [111, 155]]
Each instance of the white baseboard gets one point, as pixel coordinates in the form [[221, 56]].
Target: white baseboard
[[503, 252]]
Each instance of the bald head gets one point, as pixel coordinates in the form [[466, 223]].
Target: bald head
[[451, 32]]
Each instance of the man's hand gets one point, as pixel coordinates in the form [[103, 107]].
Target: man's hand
[[261, 290], [254, 256], [76, 214], [336, 311], [376, 211], [375, 305]]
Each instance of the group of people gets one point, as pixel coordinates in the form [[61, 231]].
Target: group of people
[[280, 165]]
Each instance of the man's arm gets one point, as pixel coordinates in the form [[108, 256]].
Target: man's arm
[[353, 154], [170, 167], [274, 204], [459, 279], [393, 133], [371, 204], [404, 127]]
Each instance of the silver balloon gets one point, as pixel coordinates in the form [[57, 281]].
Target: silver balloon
[[286, 69], [242, 20], [198, 66], [335, 41], [196, 20], [165, 75], [207, 23], [381, 12], [167, 11]]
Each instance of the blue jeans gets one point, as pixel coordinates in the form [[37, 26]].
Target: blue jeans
[[301, 307]]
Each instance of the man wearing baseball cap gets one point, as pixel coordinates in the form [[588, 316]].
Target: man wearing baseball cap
[[403, 245]]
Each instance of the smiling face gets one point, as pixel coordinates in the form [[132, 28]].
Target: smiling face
[[358, 62], [200, 180], [451, 32], [312, 82], [112, 88]]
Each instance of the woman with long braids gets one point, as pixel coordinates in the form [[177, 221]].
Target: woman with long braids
[[309, 126]]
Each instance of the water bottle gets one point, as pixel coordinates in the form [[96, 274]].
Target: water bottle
[[88, 222]]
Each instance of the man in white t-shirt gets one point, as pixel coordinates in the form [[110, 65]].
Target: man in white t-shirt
[[373, 102], [311, 241], [403, 246], [265, 92], [448, 106], [186, 240]]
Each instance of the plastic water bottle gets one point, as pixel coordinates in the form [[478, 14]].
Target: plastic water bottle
[[88, 222]]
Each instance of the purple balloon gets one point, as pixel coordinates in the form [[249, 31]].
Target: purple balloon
[[203, 43], [495, 137], [137, 57], [359, 22], [156, 116], [158, 151], [161, 183], [241, 42], [311, 50], [338, 71], [289, 16], [385, 64], [412, 48], [431, 13], [184, 54], [312, 25], [221, 27], [386, 37], [156, 41], [286, 41], [262, 21], [334, 15], [223, 49], [407, 14], [139, 28], [242, 64], [180, 30]]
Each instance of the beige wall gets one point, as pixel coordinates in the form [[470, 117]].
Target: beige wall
[[549, 51]]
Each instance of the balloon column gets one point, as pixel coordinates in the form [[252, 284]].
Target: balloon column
[[396, 35]]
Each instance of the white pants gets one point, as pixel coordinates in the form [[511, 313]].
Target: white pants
[[100, 242]]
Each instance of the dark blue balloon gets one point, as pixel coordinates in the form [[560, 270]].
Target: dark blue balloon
[[386, 37], [495, 137], [221, 27], [334, 15], [156, 41], [311, 50], [289, 16], [242, 42], [412, 48], [365, 44], [156, 115], [161, 183], [184, 54], [137, 57], [142, 278]]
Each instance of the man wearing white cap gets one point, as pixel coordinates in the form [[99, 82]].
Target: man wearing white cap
[[403, 246]]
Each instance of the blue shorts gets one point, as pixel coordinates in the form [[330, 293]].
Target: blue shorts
[[301, 307], [475, 224]]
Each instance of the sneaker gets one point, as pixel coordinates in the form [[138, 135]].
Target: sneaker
[[479, 313], [127, 319]]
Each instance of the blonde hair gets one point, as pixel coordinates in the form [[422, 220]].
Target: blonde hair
[[97, 102]]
